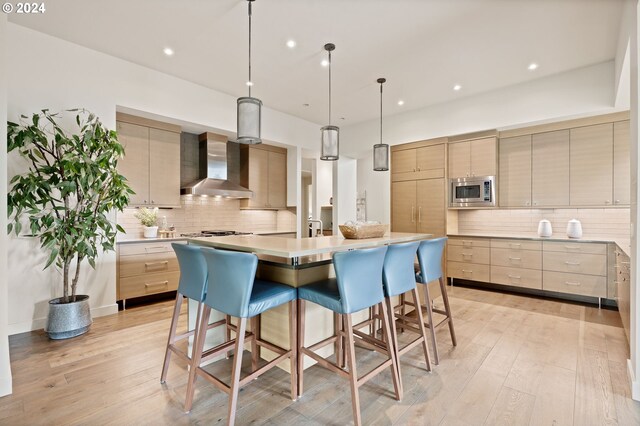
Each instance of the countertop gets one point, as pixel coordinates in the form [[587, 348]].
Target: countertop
[[127, 239], [623, 244], [294, 248]]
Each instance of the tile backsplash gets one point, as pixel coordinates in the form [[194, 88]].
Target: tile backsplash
[[610, 223], [202, 213]]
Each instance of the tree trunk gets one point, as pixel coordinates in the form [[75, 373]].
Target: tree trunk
[[65, 281], [74, 283]]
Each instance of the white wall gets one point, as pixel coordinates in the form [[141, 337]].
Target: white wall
[[377, 187], [634, 334], [323, 186], [46, 72], [5, 366], [344, 191], [587, 90]]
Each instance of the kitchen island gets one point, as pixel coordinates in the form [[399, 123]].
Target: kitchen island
[[294, 262]]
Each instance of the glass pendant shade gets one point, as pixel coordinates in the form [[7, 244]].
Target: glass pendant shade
[[330, 143], [381, 157], [249, 120]]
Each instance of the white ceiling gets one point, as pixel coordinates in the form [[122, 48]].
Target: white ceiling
[[422, 47]]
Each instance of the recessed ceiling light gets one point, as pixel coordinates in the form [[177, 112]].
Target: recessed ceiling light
[[532, 66], [401, 102], [324, 63], [168, 51], [249, 83], [342, 118], [305, 105], [457, 87], [291, 44]]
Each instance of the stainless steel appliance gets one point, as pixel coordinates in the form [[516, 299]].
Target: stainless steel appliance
[[215, 233], [471, 192]]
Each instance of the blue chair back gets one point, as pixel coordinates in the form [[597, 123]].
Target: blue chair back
[[398, 275], [430, 259], [230, 281], [193, 271], [359, 278]]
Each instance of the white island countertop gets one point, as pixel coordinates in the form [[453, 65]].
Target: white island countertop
[[294, 248]]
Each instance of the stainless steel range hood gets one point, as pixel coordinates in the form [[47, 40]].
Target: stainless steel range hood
[[213, 171]]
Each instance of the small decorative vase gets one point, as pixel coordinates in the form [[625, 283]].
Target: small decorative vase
[[574, 229], [67, 320], [544, 228], [150, 231]]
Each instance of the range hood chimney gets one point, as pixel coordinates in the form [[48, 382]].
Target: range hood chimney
[[213, 171]]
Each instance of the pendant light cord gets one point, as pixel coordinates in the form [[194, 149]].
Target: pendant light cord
[[329, 87], [250, 82], [380, 113]]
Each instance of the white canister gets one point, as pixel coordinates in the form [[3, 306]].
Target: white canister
[[544, 228], [150, 231], [574, 229]]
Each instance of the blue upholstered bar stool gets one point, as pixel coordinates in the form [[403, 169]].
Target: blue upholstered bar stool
[[192, 285], [430, 259], [398, 278], [233, 290], [357, 286]]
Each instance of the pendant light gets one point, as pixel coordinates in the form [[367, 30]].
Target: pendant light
[[249, 109], [330, 134], [381, 150]]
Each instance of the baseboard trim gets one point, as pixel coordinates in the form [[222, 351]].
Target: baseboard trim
[[39, 323], [635, 385]]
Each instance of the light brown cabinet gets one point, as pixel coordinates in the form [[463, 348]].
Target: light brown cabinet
[[146, 268], [550, 169], [419, 206], [515, 172], [472, 158], [152, 160], [621, 164], [425, 162], [591, 165], [264, 171]]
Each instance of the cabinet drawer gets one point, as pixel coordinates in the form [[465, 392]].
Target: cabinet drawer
[[518, 277], [575, 263], [468, 271], [568, 247], [530, 259], [586, 285], [468, 255], [469, 242], [148, 263], [142, 285], [128, 249], [516, 244]]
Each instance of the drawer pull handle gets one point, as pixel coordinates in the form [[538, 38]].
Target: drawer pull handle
[[467, 254], [467, 271], [574, 283], [467, 243], [572, 248], [515, 245], [155, 248], [152, 264], [158, 284], [517, 277], [515, 258], [572, 263]]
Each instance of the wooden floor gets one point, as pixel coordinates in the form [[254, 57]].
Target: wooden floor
[[520, 360]]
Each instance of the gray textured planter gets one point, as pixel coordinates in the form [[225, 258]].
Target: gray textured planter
[[67, 320]]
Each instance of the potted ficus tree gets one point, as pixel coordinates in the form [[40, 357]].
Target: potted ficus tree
[[65, 197]]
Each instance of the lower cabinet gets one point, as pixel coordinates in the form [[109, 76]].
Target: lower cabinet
[[579, 268], [623, 288], [146, 268]]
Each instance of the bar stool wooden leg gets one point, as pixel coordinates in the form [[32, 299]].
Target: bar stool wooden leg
[[338, 346], [395, 373], [425, 343], [432, 329], [227, 334], [447, 308], [392, 329], [172, 334], [300, 342], [403, 310], [353, 374], [235, 372], [254, 343], [293, 347], [198, 346]]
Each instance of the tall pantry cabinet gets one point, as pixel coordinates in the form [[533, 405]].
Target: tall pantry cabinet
[[418, 197]]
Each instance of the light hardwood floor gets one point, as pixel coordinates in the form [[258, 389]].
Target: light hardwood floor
[[520, 360]]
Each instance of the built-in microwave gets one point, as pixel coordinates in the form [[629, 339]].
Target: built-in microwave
[[477, 191]]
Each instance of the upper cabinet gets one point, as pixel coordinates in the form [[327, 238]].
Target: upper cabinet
[[410, 162], [151, 162], [515, 171], [264, 171], [621, 163], [472, 158], [591, 165], [550, 169]]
